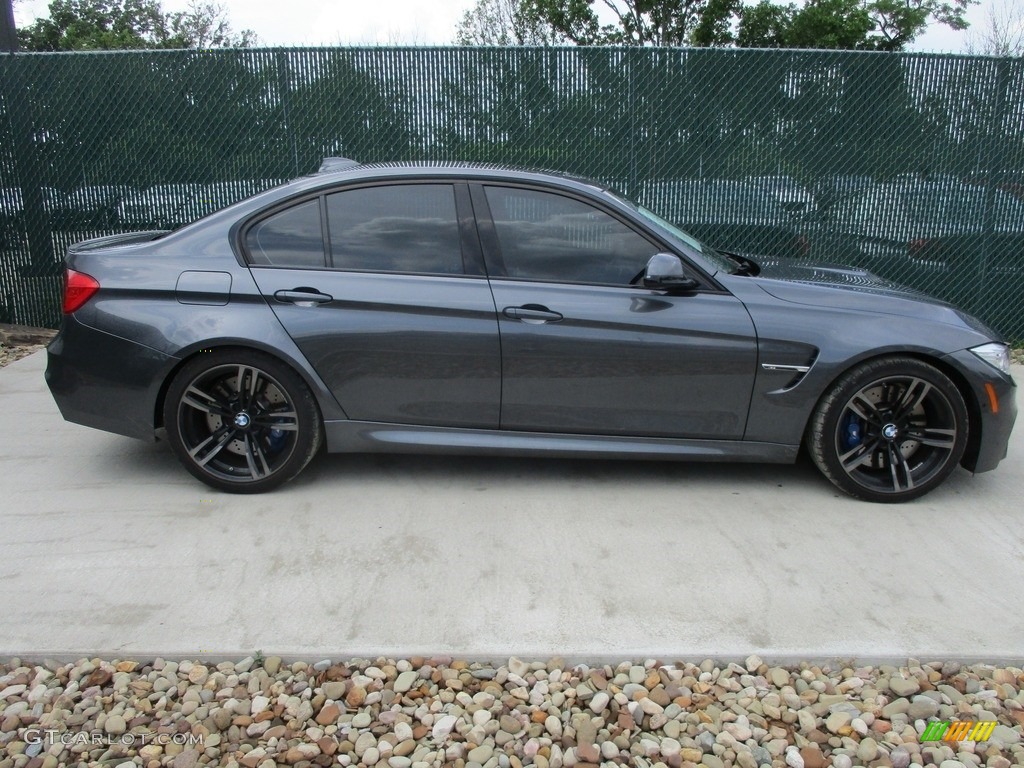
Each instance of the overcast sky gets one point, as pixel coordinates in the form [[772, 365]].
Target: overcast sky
[[332, 22]]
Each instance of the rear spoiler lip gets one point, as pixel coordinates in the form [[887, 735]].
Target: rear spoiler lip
[[114, 241]]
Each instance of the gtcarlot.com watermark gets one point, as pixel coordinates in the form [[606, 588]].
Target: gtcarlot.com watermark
[[48, 736]]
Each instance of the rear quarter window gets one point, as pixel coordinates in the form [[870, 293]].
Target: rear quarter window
[[289, 238]]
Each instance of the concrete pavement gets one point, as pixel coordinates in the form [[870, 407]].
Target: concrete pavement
[[109, 547]]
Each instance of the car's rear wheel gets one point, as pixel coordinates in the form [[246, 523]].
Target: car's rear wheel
[[889, 430], [241, 421]]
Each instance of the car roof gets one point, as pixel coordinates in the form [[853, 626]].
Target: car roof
[[340, 170]]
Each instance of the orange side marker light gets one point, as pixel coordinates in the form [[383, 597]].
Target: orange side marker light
[[993, 400]]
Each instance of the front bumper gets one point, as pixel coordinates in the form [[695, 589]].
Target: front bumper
[[106, 382], [987, 449]]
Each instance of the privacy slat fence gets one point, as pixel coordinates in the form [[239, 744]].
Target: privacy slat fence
[[911, 165]]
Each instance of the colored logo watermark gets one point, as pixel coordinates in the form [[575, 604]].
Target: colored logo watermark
[[944, 730]]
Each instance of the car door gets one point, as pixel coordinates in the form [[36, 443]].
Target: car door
[[382, 288], [585, 352]]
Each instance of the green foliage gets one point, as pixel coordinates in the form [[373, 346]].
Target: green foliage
[[638, 22], [882, 25], [830, 24], [765, 25], [94, 25], [715, 25], [574, 20], [818, 24], [876, 25], [503, 22]]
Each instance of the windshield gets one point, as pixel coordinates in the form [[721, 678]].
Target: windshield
[[676, 233]]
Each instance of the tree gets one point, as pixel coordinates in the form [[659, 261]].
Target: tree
[[882, 25], [206, 25], [639, 22], [1002, 33], [898, 22], [818, 24], [95, 25], [75, 25], [876, 25], [503, 22]]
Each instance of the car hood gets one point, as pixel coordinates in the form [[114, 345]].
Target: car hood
[[835, 275], [852, 288]]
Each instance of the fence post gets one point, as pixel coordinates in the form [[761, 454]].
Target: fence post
[[993, 177], [284, 90], [631, 63], [29, 174], [8, 32], [25, 160], [993, 173]]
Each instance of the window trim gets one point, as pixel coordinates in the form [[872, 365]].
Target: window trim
[[492, 247]]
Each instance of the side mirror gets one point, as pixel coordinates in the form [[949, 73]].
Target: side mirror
[[665, 272]]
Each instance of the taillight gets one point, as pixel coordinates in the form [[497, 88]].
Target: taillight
[[78, 289]]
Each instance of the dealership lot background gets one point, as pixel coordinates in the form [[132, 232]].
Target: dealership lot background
[[911, 165]]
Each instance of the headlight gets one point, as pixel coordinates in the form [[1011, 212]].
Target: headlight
[[995, 354]]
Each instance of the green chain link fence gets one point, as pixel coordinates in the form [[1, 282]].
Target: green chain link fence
[[911, 165]]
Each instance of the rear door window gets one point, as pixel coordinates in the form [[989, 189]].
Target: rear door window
[[395, 228]]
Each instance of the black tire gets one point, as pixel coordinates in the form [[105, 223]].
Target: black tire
[[889, 430], [241, 421]]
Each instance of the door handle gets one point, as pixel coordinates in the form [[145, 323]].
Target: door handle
[[534, 314], [303, 297]]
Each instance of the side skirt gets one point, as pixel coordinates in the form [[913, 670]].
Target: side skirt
[[372, 437]]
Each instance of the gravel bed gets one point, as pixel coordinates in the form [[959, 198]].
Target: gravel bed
[[8, 353], [420, 713], [17, 341]]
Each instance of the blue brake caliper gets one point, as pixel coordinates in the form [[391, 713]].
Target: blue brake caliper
[[276, 440], [852, 436]]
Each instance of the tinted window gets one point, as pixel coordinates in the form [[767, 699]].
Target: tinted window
[[291, 238], [401, 228], [544, 236]]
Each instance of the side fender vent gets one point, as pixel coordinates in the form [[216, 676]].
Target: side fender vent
[[784, 372]]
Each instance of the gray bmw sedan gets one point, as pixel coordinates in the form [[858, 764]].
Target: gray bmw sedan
[[470, 309]]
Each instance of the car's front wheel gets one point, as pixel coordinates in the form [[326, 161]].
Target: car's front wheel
[[241, 421], [889, 430]]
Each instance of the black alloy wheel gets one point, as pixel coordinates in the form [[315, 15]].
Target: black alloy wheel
[[889, 430], [241, 421]]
